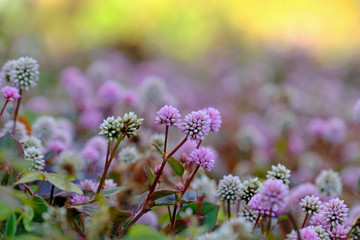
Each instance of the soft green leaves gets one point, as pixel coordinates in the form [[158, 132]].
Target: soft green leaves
[[28, 217], [10, 228], [112, 191], [176, 166], [141, 232], [62, 183], [29, 176], [149, 174], [161, 193], [208, 210], [11, 148]]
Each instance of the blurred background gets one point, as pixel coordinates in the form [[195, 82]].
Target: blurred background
[[284, 74]]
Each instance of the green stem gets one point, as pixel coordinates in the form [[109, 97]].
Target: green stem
[[228, 209]]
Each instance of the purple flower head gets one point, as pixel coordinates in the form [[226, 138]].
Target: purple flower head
[[334, 212], [109, 184], [149, 219], [90, 154], [196, 125], [215, 117], [110, 92], [88, 185], [308, 234], [168, 115], [357, 111], [310, 204], [317, 220], [79, 199], [203, 157], [257, 204], [90, 118], [317, 127], [274, 195], [339, 232], [335, 131], [10, 93]]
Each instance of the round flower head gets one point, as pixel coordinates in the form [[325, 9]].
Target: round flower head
[[299, 192], [335, 131], [204, 187], [31, 141], [10, 93], [90, 118], [279, 172], [250, 138], [24, 73], [316, 127], [44, 128], [110, 128], [203, 157], [308, 234], [260, 207], [153, 89], [69, 162], [109, 184], [329, 183], [274, 195], [229, 188], [129, 124], [33, 155], [20, 131], [321, 232], [334, 212], [215, 118], [168, 115], [248, 213], [150, 219], [129, 155], [357, 111], [249, 188], [5, 71], [310, 204], [196, 125], [79, 199], [339, 232], [88, 186], [355, 231], [110, 92]]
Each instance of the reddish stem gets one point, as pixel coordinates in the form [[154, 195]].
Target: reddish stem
[[2, 110]]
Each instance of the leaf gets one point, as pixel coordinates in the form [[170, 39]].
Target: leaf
[[29, 176], [176, 166], [149, 174], [209, 210], [39, 206], [157, 148], [11, 148], [180, 224], [161, 193], [112, 191], [28, 217], [10, 227], [117, 216], [141, 232], [62, 183], [270, 236]]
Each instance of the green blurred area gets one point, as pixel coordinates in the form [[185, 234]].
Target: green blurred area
[[182, 30]]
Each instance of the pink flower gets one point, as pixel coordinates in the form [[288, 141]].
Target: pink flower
[[196, 125], [215, 117], [79, 199], [10, 93], [203, 157], [168, 115]]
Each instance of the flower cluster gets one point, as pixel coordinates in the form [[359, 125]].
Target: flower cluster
[[229, 188], [279, 172], [310, 204]]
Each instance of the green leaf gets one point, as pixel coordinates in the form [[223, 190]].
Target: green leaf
[[180, 224], [176, 166], [208, 210], [149, 174], [10, 227], [112, 191], [11, 148], [29, 176], [141, 232], [270, 236], [28, 217], [62, 183], [39, 206], [161, 193], [117, 216], [157, 148]]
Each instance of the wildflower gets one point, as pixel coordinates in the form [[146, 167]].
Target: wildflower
[[248, 213], [308, 234], [204, 187], [24, 73], [10, 93], [310, 204], [153, 89], [129, 155], [168, 115], [109, 184], [150, 219], [79, 199], [31, 141], [110, 92], [257, 204], [88, 186], [249, 188], [33, 155], [335, 131], [203, 157], [110, 128], [299, 192], [279, 172], [215, 117], [129, 124], [20, 131], [357, 111], [44, 128], [196, 125], [69, 162], [334, 212], [229, 188], [329, 183], [90, 118], [274, 195], [316, 127], [321, 232], [250, 138], [5, 71], [339, 232]]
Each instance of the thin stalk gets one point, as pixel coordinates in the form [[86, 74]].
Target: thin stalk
[[169, 212], [256, 222], [27, 189], [166, 139], [38, 189], [2, 110], [228, 209], [269, 226], [173, 220], [17, 110], [295, 225], [304, 222], [200, 204], [51, 201]]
